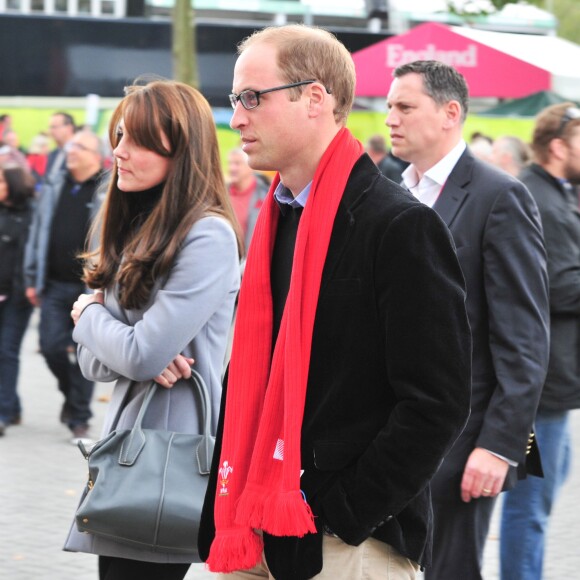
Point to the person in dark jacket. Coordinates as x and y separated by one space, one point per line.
552 181
389 165
498 235
67 207
16 191
350 372
61 128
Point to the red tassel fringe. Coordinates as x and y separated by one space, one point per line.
250 508
241 550
287 514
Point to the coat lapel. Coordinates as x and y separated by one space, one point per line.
454 193
361 178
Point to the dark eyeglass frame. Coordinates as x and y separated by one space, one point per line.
570 114
242 96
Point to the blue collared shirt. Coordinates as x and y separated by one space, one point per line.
284 196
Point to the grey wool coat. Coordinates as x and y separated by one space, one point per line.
189 313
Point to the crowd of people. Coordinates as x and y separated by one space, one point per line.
407 320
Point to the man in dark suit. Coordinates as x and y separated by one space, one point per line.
334 484
498 235
61 129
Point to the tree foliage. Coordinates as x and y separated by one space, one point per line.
567 12
499 4
476 7
184 45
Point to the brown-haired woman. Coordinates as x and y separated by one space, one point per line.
166 275
16 191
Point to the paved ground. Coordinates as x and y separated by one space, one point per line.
42 475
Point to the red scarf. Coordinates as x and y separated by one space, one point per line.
259 474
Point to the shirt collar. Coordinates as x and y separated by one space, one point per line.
440 171
284 197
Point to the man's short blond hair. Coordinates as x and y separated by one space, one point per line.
307 52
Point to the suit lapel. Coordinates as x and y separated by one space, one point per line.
454 193
361 177
449 202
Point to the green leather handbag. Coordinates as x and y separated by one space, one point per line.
146 486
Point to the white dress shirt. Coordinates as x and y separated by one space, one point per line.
428 188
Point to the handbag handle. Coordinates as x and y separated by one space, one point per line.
134 444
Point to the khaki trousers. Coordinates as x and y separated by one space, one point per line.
372 560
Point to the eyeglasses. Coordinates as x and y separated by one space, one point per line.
74 146
250 99
570 114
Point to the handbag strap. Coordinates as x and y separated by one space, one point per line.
136 441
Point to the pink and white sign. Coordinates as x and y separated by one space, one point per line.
489 72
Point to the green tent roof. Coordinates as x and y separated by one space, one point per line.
528 106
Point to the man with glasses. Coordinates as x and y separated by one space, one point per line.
61 128
552 180
498 235
349 375
52 272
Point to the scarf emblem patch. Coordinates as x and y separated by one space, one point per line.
224 472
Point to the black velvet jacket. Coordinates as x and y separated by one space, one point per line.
389 381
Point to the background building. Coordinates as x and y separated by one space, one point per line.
77 55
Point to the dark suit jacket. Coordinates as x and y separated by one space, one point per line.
389 381
497 231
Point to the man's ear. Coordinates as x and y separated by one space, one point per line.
316 98
558 148
452 114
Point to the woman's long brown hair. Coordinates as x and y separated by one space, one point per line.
194 187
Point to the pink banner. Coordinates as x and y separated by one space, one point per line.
489 72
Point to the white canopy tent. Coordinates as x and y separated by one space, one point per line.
555 55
